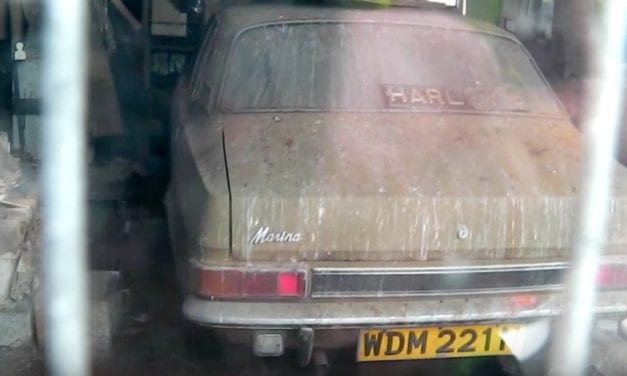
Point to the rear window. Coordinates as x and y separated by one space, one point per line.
374 66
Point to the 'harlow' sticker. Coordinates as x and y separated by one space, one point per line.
478 98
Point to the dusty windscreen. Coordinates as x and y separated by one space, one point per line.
368 66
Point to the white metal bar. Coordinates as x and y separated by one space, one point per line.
63 177
571 348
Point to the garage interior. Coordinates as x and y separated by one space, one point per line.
143 47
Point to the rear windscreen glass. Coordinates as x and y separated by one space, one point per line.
369 66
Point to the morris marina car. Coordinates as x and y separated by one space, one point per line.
402 181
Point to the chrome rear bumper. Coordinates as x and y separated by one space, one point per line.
354 313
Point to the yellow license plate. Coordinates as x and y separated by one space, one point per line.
437 342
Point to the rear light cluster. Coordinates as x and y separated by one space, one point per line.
249 283
612 276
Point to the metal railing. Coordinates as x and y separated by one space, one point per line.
64 186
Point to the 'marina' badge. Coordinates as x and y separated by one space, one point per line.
264 235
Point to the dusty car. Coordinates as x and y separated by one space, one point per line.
402 181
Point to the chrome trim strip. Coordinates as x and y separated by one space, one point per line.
401 294
403 282
439 269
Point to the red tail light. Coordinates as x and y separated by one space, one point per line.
612 276
246 283
289 284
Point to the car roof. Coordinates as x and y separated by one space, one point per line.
237 17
